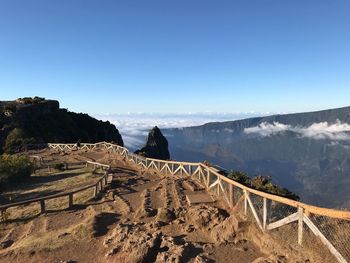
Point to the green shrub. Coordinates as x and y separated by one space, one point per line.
207 163
261 183
16 141
14 169
240 177
59 166
30 100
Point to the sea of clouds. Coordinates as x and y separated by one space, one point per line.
337 131
134 127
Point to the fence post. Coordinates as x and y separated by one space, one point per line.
42 206
208 178
70 200
218 189
95 190
231 195
245 202
300 225
264 213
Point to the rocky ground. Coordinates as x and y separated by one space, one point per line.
140 218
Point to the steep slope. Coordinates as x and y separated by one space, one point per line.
309 153
36 120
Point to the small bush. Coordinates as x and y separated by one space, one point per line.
240 177
59 166
16 141
207 163
14 169
30 100
262 183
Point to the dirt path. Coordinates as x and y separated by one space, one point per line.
141 218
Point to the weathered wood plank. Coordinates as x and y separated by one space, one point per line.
300 225
284 221
324 240
213 184
255 214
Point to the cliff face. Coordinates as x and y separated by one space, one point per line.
308 153
27 121
156 146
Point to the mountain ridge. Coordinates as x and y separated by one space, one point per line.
299 151
277 116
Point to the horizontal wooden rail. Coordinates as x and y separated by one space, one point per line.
98 185
98 164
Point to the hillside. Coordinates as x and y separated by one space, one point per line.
36 120
140 215
307 153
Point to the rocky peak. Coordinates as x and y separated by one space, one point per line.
156 145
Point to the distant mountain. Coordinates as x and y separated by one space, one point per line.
309 153
36 120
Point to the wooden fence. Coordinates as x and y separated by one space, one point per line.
270 212
97 186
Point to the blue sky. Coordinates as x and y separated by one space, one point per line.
177 56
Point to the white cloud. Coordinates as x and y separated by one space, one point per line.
267 129
134 127
323 130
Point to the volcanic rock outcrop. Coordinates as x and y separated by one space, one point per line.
156 146
37 120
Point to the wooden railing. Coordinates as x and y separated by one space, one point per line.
330 226
98 165
97 186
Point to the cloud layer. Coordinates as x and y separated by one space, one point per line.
134 127
323 130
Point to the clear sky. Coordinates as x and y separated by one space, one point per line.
177 56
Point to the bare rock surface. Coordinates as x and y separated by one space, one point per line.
226 231
136 242
165 215
204 216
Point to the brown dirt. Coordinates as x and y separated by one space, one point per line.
121 225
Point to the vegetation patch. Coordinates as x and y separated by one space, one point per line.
59 166
14 169
261 183
17 141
